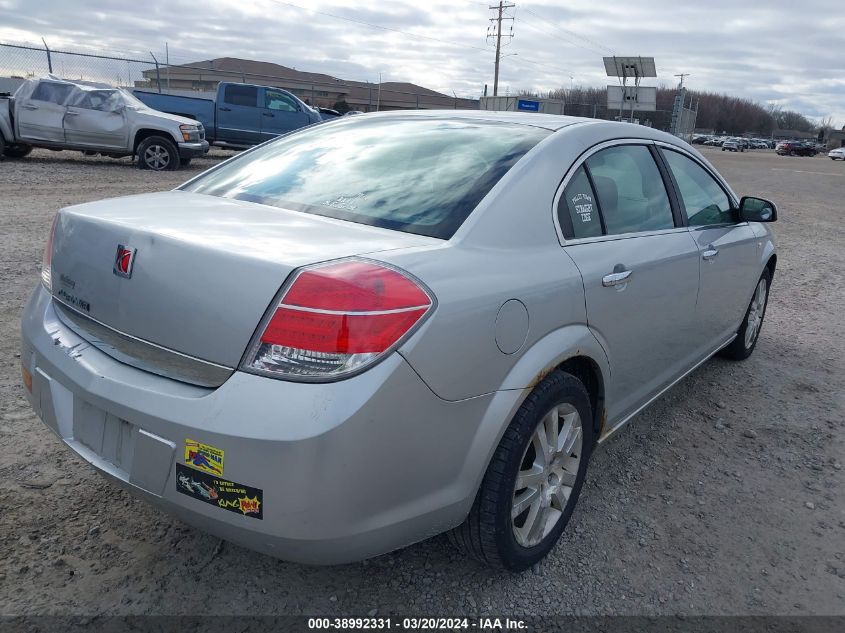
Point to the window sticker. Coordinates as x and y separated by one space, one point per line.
583 205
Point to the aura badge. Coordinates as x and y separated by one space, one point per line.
124 260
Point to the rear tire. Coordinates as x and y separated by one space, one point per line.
158 154
513 526
184 162
749 332
16 150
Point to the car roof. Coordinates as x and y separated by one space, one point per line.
552 122
547 121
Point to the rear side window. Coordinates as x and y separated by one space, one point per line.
52 92
577 210
704 201
413 174
630 190
241 95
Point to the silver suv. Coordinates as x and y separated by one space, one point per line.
96 119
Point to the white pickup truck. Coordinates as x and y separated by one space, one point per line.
95 118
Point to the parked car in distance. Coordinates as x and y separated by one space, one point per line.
95 118
240 115
837 154
733 145
793 148
327 114
281 352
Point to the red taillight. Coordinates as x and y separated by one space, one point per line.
47 258
338 318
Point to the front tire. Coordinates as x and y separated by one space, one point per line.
158 154
534 478
749 332
17 150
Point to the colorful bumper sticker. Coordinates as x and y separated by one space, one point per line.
228 495
207 458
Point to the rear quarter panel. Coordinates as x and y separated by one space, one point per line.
456 351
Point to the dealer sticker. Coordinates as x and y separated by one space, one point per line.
204 457
228 495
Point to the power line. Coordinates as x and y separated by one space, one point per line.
535 27
596 46
379 26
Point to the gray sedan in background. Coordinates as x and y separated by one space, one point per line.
393 325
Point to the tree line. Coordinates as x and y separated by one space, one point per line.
719 112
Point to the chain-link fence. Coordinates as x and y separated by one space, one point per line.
21 62
18 62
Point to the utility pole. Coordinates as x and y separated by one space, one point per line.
682 75
497 33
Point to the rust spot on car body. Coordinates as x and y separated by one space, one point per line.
602 422
540 378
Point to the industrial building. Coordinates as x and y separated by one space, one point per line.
314 88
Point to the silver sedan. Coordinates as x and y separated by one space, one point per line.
390 326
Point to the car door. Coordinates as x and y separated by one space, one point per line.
40 117
639 267
280 113
729 261
238 115
96 118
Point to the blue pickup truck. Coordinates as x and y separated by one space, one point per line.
241 115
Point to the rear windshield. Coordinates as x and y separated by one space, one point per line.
418 175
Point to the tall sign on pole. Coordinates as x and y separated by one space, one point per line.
496 26
630 68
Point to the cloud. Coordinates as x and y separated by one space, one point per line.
778 51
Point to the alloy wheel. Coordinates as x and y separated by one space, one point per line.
157 157
547 475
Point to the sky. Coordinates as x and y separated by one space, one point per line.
786 52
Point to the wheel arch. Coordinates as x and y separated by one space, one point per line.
771 264
573 349
145 133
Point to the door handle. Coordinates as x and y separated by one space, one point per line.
710 253
225 109
616 278
30 107
69 113
270 114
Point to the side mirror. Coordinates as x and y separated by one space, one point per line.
753 209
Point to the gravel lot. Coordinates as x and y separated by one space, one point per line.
724 497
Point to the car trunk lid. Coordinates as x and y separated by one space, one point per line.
203 269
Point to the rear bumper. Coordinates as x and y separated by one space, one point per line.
191 150
346 470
